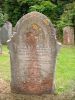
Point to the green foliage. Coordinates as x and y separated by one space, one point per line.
29 2
3 17
45 7
64 2
60 12
13 10
67 18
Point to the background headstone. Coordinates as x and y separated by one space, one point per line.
68 35
5 32
33 50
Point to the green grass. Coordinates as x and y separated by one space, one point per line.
65 68
5 63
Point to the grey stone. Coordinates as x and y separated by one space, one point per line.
68 35
33 51
6 32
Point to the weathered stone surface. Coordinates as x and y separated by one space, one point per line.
68 35
5 32
33 50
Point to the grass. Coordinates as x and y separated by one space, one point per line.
5 63
65 68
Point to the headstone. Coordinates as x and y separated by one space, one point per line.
6 32
33 50
68 35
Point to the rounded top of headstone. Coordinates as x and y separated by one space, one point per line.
34 16
68 29
36 23
6 25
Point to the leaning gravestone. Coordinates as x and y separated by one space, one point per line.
33 50
5 32
68 35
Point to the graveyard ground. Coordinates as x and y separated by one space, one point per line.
65 77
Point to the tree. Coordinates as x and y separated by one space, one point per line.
3 17
17 8
60 12
67 18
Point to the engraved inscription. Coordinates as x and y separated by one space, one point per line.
33 55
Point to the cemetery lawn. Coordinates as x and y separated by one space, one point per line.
65 68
